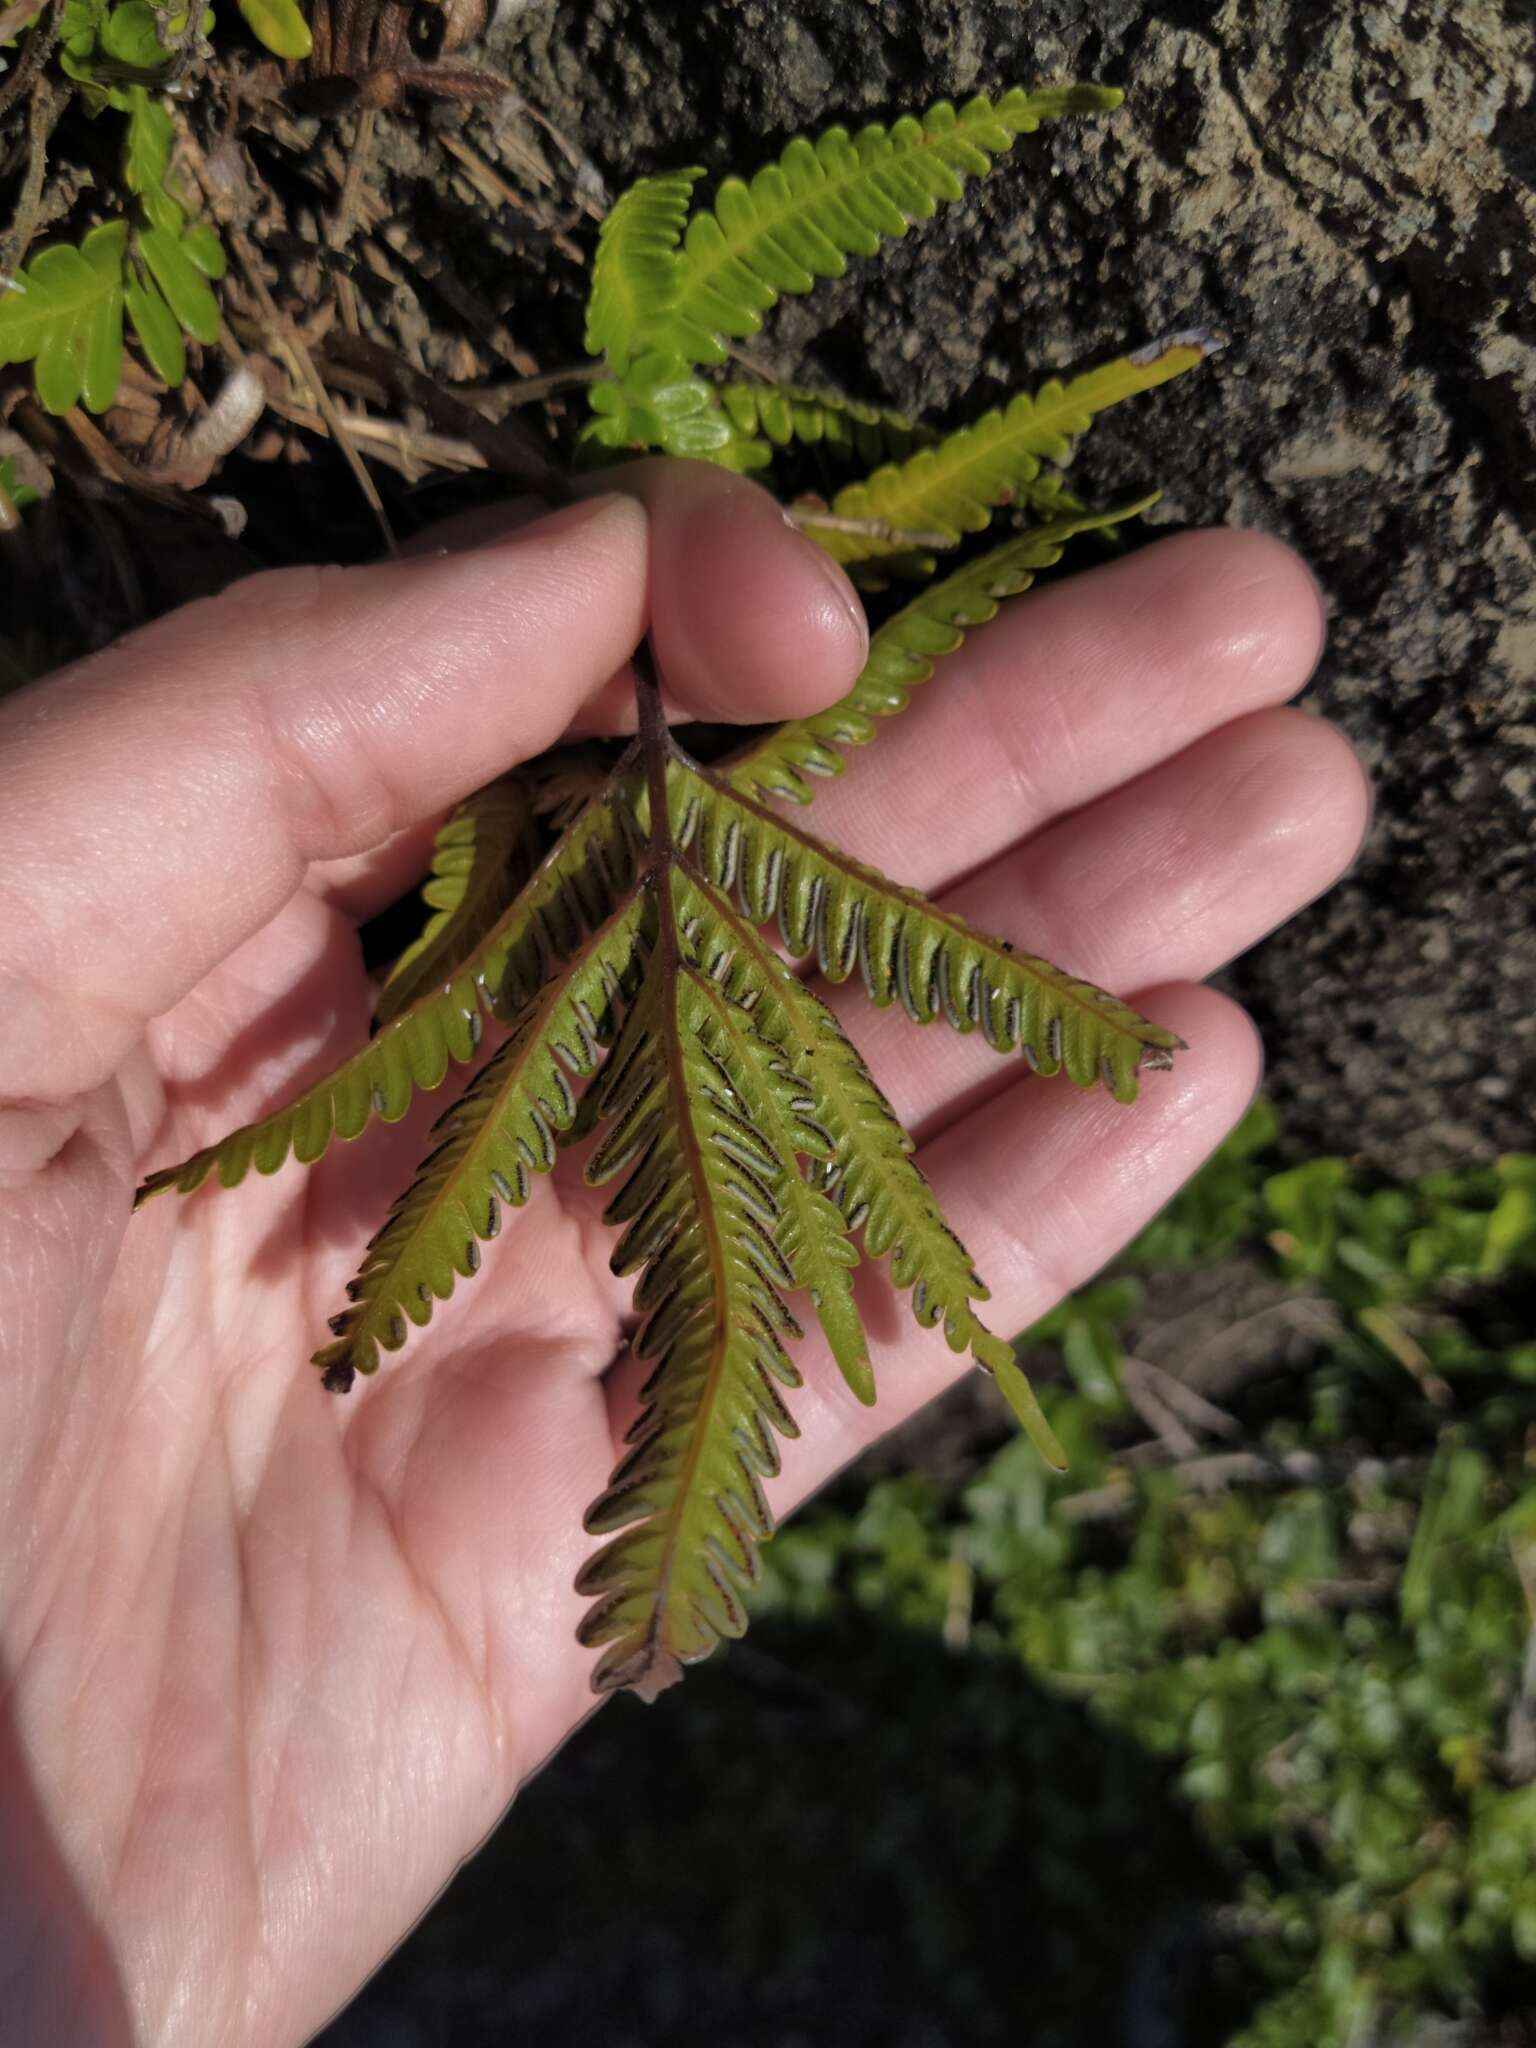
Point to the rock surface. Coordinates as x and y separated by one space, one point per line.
1347 191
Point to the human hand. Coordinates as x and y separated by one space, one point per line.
275 1662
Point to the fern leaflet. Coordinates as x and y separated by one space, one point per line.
638 271
848 430
812 1233
902 654
572 889
955 488
701 1204
499 1132
908 949
64 314
823 201
869 1169
480 857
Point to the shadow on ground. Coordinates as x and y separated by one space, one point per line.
828 1838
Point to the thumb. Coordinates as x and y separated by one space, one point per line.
165 797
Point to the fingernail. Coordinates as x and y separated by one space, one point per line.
837 582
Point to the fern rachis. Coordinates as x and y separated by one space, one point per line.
644 946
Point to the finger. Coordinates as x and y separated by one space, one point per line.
1168 878
1073 690
360 885
1042 1186
164 798
750 622
745 629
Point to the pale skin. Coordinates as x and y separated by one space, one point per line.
272 1662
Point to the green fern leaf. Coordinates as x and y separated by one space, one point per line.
571 890
480 858
801 218
147 158
280 25
849 431
902 654
955 487
653 399
811 1232
64 314
183 283
638 271
908 949
155 326
701 1202
501 1130
868 1168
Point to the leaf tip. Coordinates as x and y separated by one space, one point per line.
646 1673
1205 341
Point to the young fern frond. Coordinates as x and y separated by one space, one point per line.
801 218
903 653
662 404
907 949
638 273
955 487
481 856
572 889
503 1129
659 309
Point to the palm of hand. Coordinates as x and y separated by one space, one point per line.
278 1661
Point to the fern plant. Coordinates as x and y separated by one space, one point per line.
64 312
607 918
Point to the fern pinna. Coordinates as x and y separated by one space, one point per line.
608 916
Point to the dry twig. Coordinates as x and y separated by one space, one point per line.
287 342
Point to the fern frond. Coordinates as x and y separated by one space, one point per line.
908 949
811 1231
848 430
904 653
501 1130
701 1203
637 273
867 1167
480 858
653 399
572 889
824 201
64 314
955 487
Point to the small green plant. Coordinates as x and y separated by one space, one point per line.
755 1155
1322 1620
63 312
